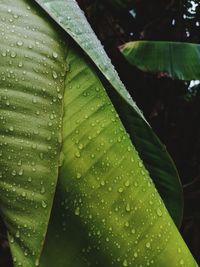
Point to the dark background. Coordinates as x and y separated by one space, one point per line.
172 107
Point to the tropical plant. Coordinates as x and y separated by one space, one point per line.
69 130
176 60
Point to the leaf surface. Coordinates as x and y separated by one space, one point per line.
31 89
177 60
106 211
156 159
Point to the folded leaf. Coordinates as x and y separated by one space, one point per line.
156 159
31 88
107 211
176 60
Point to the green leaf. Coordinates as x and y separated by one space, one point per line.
176 60
70 17
32 61
156 159
106 211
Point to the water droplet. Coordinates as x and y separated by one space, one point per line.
140 164
127 183
13 54
55 75
77 154
44 204
148 245
17 234
20 64
77 211
42 191
159 212
133 231
21 171
14 172
78 175
135 254
125 263
20 43
55 55
120 190
128 208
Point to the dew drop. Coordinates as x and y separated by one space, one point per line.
42 191
128 208
159 212
37 262
13 54
120 190
148 245
127 183
21 171
77 211
55 75
55 55
44 204
125 263
17 234
78 175
77 154
19 43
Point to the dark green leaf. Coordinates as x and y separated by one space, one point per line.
176 60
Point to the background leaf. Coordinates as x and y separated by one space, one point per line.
32 71
176 60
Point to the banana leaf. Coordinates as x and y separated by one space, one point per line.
39 63
106 210
32 68
176 60
156 159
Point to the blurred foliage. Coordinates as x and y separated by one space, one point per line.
172 107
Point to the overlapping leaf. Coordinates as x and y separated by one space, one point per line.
156 159
103 184
106 211
31 89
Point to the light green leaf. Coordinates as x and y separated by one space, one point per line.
106 211
31 88
69 16
176 60
156 159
